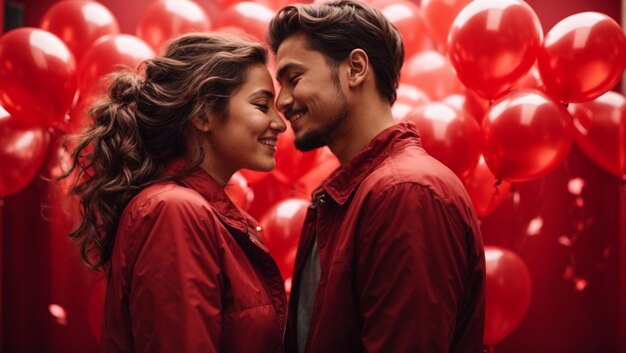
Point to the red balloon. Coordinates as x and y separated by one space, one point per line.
469 102
279 4
267 192
65 216
106 55
508 293
163 20
483 189
252 17
272 4
23 149
228 3
79 23
239 192
291 164
600 131
212 8
282 225
37 76
289 263
525 135
438 16
324 166
582 57
449 135
408 98
532 79
431 72
236 31
405 15
493 43
78 116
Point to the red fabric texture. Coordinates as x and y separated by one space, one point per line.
401 255
190 273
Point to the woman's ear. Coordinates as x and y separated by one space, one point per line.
358 67
202 123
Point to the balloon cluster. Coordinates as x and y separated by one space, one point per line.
494 99
502 74
505 105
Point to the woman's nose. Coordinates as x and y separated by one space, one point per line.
277 123
283 100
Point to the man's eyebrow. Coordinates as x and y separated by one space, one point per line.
283 70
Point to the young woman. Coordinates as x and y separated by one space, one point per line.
187 270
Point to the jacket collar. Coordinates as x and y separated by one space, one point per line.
205 185
344 181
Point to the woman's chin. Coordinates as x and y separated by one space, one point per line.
262 167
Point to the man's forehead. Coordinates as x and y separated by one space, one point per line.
293 44
295 59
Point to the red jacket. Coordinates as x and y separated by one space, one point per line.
402 264
189 274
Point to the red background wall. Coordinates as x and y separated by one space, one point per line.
38 265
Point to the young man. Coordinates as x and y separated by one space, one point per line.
391 258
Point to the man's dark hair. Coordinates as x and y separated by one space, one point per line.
336 28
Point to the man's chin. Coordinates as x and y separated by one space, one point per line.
309 141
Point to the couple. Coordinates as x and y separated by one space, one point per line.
390 258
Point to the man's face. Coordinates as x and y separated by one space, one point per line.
311 94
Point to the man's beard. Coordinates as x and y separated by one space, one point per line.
313 139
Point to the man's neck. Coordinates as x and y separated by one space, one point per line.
362 126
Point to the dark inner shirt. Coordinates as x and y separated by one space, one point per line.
306 299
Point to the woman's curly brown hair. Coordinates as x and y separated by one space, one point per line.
143 123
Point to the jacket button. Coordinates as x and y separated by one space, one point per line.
258 228
322 200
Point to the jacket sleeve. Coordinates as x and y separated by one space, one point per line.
410 271
176 283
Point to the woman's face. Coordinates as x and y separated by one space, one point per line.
247 137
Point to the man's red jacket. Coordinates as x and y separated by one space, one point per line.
402 264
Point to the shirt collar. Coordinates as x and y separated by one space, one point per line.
344 181
202 182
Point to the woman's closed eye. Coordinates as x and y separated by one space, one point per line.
264 107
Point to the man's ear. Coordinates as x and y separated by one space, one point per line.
202 123
358 67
